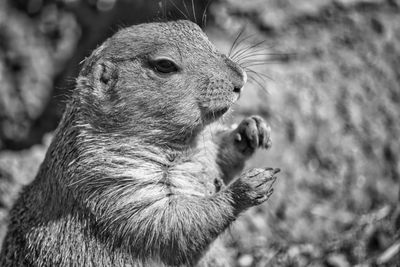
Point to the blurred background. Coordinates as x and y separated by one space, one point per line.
326 77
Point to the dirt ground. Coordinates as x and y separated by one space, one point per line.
326 77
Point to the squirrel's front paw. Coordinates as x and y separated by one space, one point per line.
253 132
254 187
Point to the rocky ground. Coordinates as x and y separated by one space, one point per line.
327 81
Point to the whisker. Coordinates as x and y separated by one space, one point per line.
262 76
172 2
248 49
249 53
247 38
162 7
239 43
253 79
194 12
255 52
260 51
258 73
251 61
234 44
257 64
271 56
185 6
204 17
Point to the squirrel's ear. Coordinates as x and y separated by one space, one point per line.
105 75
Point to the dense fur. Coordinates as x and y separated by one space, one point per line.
136 173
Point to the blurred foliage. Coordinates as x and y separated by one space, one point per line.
332 97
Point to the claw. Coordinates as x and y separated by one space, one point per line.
238 137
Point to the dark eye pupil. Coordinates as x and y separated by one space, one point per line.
165 66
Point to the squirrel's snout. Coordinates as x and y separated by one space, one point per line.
237 87
238 75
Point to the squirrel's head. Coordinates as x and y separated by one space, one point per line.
164 78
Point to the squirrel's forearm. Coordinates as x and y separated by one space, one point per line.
193 225
230 160
177 228
217 142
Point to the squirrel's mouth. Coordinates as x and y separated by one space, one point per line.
211 115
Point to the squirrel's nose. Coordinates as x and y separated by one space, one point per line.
237 74
237 87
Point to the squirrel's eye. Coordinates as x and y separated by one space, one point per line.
165 66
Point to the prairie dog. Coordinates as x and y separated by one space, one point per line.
137 173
